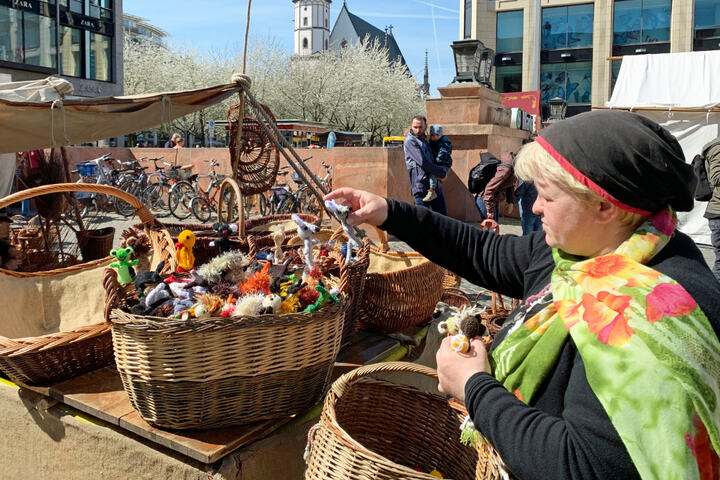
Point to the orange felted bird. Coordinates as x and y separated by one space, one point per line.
259 282
184 254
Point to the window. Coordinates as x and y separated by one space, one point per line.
641 21
71 51
615 72
508 61
468 19
305 43
567 27
707 25
326 44
100 50
304 21
571 81
27 38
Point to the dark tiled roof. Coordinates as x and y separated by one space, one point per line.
363 29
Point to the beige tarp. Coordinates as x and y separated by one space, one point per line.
27 125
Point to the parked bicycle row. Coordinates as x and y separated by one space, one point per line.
178 191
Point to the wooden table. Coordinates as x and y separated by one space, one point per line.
100 394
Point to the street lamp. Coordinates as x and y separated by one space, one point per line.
558 106
473 62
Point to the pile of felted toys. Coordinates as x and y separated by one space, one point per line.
230 285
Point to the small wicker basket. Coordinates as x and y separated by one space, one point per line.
401 289
376 429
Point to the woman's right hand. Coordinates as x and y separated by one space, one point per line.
365 207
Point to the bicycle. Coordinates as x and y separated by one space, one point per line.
101 171
205 202
135 185
183 192
156 195
305 200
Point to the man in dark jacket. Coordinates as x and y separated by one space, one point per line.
499 188
420 165
711 151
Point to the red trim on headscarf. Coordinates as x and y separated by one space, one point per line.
580 177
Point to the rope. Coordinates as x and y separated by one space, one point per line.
165 99
59 104
247 29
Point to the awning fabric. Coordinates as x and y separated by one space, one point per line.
34 115
687 80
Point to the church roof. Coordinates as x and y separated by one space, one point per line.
350 25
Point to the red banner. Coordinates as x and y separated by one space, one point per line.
526 101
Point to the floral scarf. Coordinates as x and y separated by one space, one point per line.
650 354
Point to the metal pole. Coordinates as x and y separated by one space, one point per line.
537 46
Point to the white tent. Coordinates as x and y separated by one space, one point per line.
681 92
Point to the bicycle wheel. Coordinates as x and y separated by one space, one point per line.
201 209
289 204
121 206
155 199
179 199
309 203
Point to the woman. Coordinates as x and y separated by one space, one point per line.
610 367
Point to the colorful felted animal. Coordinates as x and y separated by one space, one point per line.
305 231
259 282
325 296
463 324
143 279
341 213
184 254
224 231
123 264
278 238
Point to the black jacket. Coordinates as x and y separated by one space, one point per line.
564 432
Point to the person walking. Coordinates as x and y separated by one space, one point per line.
173 140
500 187
711 152
420 164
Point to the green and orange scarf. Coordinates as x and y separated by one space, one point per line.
650 354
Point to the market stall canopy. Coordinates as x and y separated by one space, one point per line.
681 92
678 80
38 114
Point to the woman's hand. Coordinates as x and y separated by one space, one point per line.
366 207
455 369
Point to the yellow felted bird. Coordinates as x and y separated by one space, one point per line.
184 254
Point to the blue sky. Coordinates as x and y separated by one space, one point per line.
418 25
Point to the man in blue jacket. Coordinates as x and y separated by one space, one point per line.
420 165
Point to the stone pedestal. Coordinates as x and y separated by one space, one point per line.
475 120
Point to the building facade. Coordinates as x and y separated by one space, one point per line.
572 49
312 26
80 40
138 29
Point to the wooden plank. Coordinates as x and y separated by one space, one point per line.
367 348
99 393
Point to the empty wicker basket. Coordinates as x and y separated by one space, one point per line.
401 290
54 322
375 429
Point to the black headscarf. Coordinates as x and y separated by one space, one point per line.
626 158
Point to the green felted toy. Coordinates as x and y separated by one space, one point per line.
123 264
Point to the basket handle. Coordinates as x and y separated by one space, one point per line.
383 237
146 217
337 234
232 183
343 383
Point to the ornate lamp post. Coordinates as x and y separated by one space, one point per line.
558 106
473 62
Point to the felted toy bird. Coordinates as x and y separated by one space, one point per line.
123 264
184 254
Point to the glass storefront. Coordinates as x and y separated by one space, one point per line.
707 25
567 27
30 36
571 81
508 60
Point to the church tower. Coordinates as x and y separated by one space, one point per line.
312 26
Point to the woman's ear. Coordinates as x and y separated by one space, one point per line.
606 212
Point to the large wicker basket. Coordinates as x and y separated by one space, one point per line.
213 372
401 289
63 352
375 429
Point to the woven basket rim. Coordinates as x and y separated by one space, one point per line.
147 323
25 345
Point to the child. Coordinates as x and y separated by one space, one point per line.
441 149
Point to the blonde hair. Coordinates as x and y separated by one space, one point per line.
533 161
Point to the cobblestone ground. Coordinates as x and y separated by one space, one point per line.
507 226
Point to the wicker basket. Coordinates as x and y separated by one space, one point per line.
451 280
59 355
375 429
263 227
455 298
401 289
214 372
